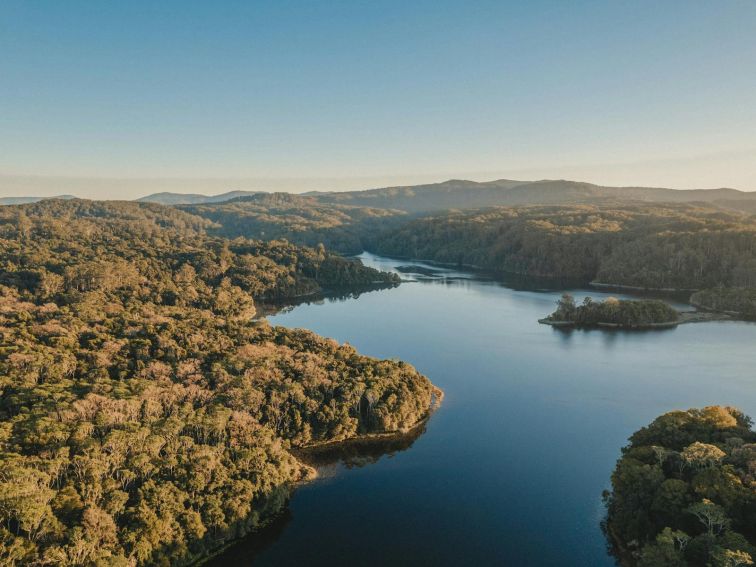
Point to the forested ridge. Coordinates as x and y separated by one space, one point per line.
615 243
464 194
684 492
300 219
57 247
145 419
663 246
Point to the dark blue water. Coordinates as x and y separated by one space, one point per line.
510 470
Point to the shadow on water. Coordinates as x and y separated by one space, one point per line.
327 459
429 272
359 452
246 550
269 307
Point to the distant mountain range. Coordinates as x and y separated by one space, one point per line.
461 194
25 200
195 198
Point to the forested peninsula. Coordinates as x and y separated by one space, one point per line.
145 418
684 492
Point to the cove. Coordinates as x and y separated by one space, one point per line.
510 469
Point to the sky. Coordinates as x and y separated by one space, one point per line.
121 99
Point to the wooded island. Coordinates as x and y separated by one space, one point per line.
612 312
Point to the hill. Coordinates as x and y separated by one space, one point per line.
168 198
28 200
463 194
300 219
460 194
643 245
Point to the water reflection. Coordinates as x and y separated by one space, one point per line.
329 460
511 468
266 308
356 453
248 549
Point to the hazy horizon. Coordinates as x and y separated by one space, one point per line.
135 188
109 100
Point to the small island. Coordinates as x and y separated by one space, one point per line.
683 492
613 312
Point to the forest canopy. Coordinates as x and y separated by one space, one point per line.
662 246
737 301
300 219
613 312
684 492
145 418
674 246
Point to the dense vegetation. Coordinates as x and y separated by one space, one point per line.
739 301
145 419
613 312
684 491
662 240
302 220
647 246
56 247
615 243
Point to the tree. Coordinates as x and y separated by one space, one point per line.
712 516
702 455
565 308
677 538
731 558
713 444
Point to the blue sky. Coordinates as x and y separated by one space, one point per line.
301 95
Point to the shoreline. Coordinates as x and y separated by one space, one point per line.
570 281
489 271
602 285
620 552
685 317
266 306
310 472
368 438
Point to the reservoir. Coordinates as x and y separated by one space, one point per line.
510 470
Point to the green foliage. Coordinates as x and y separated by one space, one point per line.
145 418
300 219
684 491
613 312
160 255
663 246
739 301
642 245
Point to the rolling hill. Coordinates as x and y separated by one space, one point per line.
462 194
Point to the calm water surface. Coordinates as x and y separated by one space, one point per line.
511 469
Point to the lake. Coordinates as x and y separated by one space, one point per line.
510 470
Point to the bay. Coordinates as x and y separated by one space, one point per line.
510 470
